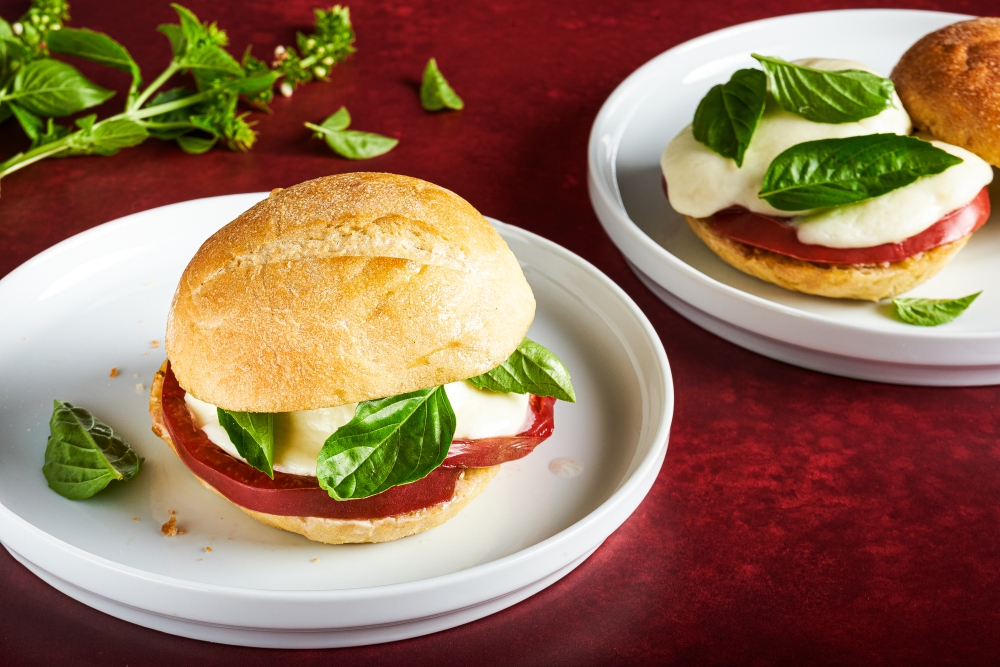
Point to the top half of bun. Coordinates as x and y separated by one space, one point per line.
949 82
343 289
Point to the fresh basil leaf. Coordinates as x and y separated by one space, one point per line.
53 88
211 58
110 136
5 29
435 92
196 145
253 435
390 441
359 145
94 46
176 36
834 172
253 85
5 111
336 122
727 116
822 96
531 369
931 312
30 123
13 54
176 116
84 454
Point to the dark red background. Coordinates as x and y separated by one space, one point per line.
799 518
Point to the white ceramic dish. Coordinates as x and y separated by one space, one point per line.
845 338
100 299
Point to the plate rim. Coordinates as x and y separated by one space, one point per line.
642 474
606 195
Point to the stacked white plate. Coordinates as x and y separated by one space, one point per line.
848 338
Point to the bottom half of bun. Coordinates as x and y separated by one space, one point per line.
868 282
470 484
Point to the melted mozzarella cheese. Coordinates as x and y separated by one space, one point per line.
700 182
299 436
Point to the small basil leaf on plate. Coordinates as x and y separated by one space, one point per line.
822 96
84 454
727 116
53 88
252 433
930 312
834 172
390 441
435 91
531 369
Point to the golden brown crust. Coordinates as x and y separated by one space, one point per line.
344 531
869 282
949 82
343 289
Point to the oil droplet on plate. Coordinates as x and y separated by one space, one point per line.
565 466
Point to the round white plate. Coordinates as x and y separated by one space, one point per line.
99 300
855 339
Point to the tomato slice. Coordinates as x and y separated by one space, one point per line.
299 495
776 235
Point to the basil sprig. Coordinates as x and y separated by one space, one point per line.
531 369
834 172
931 312
727 116
390 441
435 92
351 144
822 96
84 454
252 433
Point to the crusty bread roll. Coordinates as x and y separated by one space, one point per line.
347 531
344 289
949 82
869 282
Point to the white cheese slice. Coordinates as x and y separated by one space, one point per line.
701 182
299 436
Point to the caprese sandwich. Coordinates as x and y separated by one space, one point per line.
804 174
347 359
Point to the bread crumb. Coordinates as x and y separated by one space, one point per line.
171 512
181 531
140 388
170 527
135 375
135 518
208 548
154 343
114 372
315 560
145 354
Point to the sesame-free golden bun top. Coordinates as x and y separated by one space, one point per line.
949 82
342 289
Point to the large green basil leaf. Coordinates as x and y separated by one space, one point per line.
435 91
727 116
531 369
84 454
253 435
94 46
834 172
107 138
211 58
53 88
822 96
931 312
390 441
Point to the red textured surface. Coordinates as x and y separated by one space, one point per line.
771 233
799 519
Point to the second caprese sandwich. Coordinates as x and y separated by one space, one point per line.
803 174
